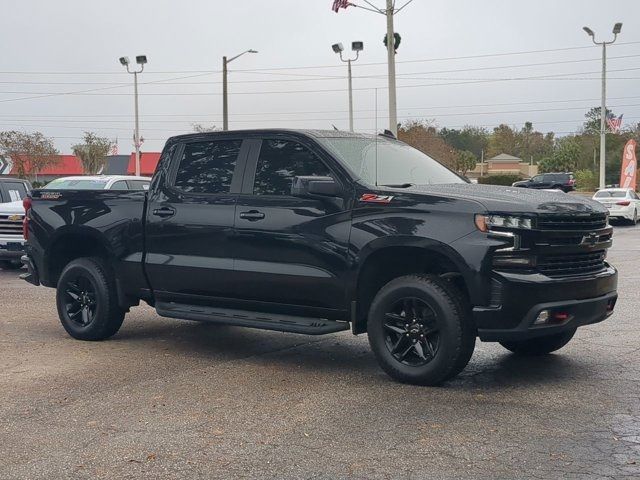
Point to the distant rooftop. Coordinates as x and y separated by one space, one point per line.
503 157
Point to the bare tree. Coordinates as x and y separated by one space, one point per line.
29 153
93 152
200 128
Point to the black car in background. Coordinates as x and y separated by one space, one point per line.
558 181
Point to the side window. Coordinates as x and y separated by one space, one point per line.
119 185
138 185
279 162
537 178
207 167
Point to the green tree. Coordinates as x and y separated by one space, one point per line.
423 136
465 161
473 139
92 152
201 128
502 140
30 153
564 158
592 122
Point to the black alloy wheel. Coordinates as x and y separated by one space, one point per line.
80 300
412 332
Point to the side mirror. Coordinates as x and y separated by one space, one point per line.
307 186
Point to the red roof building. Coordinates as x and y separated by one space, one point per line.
148 163
67 166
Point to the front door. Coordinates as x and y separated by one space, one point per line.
190 217
290 250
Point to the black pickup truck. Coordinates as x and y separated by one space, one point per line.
316 232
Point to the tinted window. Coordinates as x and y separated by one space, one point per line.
279 162
537 178
119 185
207 167
139 184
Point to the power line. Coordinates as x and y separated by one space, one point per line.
309 67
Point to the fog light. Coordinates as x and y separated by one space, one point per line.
542 318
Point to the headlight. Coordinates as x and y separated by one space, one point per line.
486 222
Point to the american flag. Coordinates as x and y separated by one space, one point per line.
614 122
338 4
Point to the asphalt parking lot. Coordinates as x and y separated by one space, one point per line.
173 399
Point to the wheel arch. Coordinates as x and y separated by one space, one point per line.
390 257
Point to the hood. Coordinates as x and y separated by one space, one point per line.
497 198
11 208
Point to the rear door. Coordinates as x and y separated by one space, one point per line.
190 215
290 250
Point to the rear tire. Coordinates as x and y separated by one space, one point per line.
10 264
540 345
420 331
87 301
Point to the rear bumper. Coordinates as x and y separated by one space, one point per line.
519 300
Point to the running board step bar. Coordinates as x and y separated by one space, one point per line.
244 318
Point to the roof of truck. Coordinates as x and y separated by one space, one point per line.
262 131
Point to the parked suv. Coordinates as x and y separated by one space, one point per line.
553 181
100 182
317 232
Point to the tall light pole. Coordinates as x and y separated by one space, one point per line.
603 106
225 102
391 61
356 47
140 60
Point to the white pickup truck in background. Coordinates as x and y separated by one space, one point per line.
12 191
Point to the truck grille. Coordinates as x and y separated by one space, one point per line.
593 221
9 225
575 264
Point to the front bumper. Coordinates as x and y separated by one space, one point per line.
11 248
518 299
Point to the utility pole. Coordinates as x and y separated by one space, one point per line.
391 61
225 93
389 12
617 28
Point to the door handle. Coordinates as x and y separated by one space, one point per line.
164 212
252 215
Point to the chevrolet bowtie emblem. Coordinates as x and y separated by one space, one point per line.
591 239
15 218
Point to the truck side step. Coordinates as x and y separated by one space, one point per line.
244 318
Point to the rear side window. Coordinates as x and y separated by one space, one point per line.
279 162
207 167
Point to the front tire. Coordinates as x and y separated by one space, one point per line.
86 300
420 330
540 345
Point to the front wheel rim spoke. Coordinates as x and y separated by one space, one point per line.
85 315
394 329
420 351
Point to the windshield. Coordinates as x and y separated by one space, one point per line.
611 194
76 184
397 163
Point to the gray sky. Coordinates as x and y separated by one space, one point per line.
188 38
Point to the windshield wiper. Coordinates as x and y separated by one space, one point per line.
400 185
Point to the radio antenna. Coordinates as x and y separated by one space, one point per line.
376 137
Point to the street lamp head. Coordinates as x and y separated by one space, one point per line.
617 28
357 46
337 48
252 51
124 61
141 59
589 31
